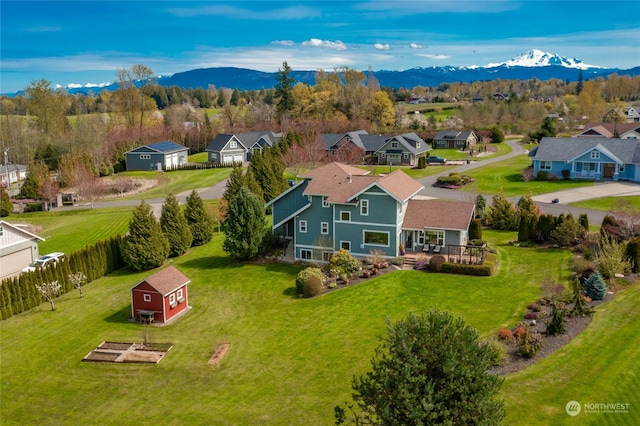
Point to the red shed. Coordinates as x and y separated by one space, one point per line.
160 297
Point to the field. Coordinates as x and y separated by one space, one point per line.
288 359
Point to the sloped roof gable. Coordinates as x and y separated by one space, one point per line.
166 281
438 214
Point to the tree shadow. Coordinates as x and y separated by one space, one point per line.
211 262
290 292
122 315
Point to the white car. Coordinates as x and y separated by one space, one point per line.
42 261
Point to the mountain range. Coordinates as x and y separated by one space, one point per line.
529 65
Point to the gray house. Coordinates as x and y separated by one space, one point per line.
228 149
455 139
257 141
157 156
588 158
12 173
402 150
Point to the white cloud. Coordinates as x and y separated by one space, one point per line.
381 46
283 42
288 13
438 57
316 42
416 46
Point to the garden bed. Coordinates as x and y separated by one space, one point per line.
126 352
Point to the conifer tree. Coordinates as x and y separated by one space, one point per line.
244 228
502 213
6 207
146 247
175 227
199 221
234 183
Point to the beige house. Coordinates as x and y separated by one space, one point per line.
18 248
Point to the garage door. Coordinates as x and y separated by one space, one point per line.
237 158
13 263
227 159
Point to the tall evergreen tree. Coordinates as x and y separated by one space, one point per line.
284 91
146 247
234 183
269 172
199 221
244 228
6 207
502 213
175 227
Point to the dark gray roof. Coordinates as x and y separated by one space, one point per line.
163 147
372 143
454 135
330 139
221 141
410 141
567 149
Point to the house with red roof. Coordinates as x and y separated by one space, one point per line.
161 297
337 206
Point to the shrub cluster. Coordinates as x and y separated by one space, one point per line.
309 281
343 261
595 287
436 262
529 344
484 270
498 351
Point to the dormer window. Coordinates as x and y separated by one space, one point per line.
394 145
595 155
233 144
417 144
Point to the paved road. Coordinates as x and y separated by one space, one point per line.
599 189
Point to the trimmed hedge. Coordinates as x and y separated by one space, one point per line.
463 269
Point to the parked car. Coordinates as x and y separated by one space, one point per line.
42 261
435 159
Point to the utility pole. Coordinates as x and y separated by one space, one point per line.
6 167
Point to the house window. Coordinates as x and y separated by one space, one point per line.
325 203
620 169
406 156
147 298
303 226
172 300
417 144
214 155
383 155
595 155
180 296
326 255
545 165
420 237
145 156
364 207
324 228
346 245
305 254
376 238
434 237
1 231
233 144
345 216
394 145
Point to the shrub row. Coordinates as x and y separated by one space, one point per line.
19 294
198 166
484 270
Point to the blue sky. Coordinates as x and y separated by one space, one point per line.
87 41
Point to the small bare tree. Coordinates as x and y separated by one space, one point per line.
78 280
50 291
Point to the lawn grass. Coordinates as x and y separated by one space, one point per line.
599 366
178 181
607 203
290 359
200 157
506 175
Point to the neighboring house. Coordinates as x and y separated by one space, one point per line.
18 248
157 156
227 149
402 150
628 114
588 158
257 141
12 173
611 130
160 297
340 146
455 139
337 206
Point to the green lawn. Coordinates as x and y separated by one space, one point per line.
178 181
290 359
506 175
599 366
607 203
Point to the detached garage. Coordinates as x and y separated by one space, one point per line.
157 156
228 150
18 248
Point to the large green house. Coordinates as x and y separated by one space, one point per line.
337 206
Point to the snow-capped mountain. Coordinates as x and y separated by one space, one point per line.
538 58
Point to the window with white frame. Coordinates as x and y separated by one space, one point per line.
214 155
394 145
434 237
326 255
146 298
595 155
364 207
383 155
420 237
324 228
376 238
545 165
172 300
406 156
325 203
180 295
305 254
1 231
345 216
417 144
145 156
303 226
346 245
233 144
620 169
